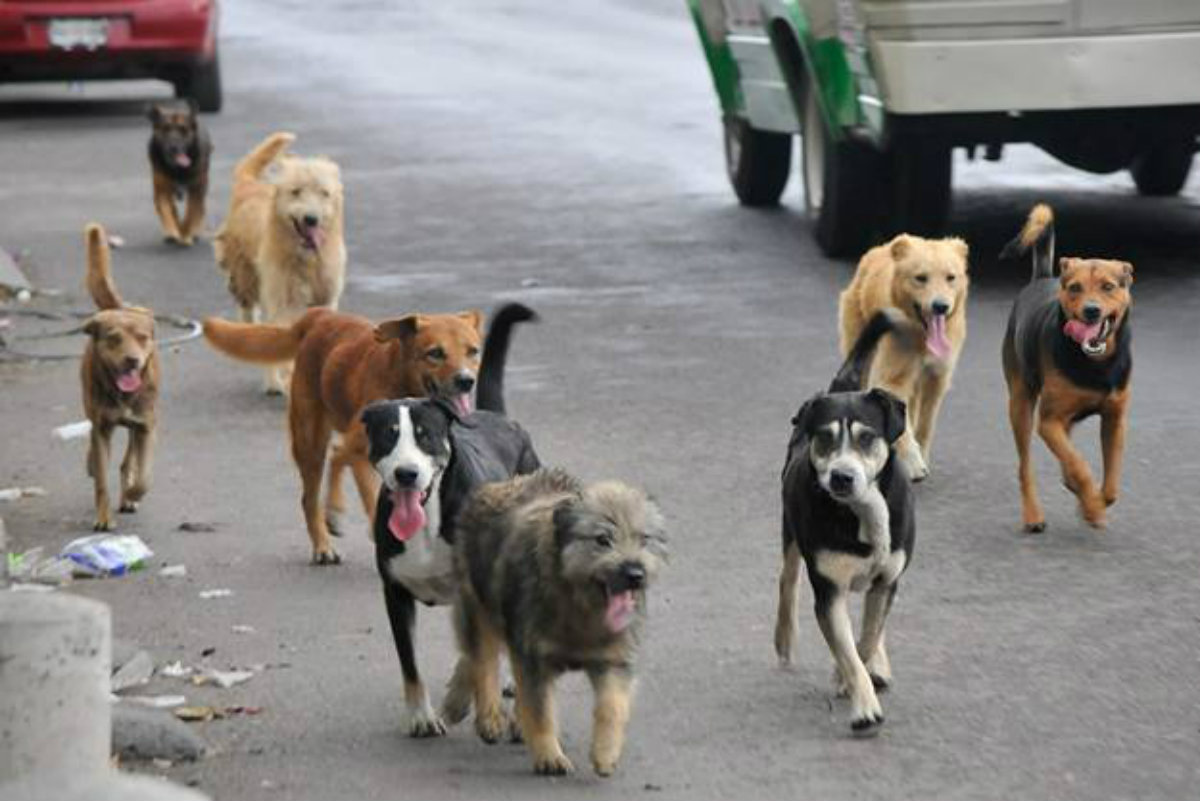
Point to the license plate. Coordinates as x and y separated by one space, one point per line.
88 34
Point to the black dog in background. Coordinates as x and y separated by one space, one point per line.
431 458
848 513
180 150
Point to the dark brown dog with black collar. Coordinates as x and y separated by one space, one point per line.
180 150
1067 356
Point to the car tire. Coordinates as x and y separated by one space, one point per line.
841 185
203 84
758 162
1163 170
919 191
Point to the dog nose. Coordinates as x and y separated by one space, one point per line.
1092 312
634 575
940 307
405 476
841 481
131 363
464 382
312 220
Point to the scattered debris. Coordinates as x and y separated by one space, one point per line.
162 764
223 678
207 652
136 672
116 241
107 554
243 710
173 571
242 629
216 593
197 528
73 430
155 701
175 670
198 714
13 282
32 566
142 733
17 493
529 283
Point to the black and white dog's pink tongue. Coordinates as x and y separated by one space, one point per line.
620 611
408 516
183 160
935 337
1081 332
462 404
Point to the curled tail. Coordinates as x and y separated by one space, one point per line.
254 342
252 165
1038 234
489 395
889 320
99 278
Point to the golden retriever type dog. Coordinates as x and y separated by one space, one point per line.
120 376
342 364
926 279
282 245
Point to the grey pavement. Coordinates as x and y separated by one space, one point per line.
568 155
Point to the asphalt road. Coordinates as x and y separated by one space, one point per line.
568 155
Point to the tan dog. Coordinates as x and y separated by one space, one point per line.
282 244
1067 356
926 279
120 375
342 364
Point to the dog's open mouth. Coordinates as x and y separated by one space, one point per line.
1090 338
408 513
182 159
311 236
129 381
936 341
620 607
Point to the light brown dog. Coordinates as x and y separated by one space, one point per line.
1067 356
926 279
120 375
342 364
282 245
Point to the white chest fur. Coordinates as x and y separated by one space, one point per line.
851 572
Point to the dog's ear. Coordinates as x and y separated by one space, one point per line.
474 317
402 328
801 419
1126 274
154 113
894 413
960 247
375 412
570 516
1066 265
92 327
900 247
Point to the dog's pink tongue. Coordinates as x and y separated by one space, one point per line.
935 337
129 381
620 611
317 237
463 404
183 160
1081 332
408 516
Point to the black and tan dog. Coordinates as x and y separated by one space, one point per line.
557 572
180 150
120 375
1067 357
431 455
848 514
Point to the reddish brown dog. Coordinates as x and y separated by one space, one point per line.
1067 356
342 364
120 375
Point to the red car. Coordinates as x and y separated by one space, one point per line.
172 40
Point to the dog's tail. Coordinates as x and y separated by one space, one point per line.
1038 234
252 165
489 395
255 342
886 321
99 268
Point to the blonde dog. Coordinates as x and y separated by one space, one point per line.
926 279
282 245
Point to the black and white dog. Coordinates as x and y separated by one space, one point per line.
431 459
848 513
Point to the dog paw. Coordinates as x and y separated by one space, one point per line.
426 724
1110 497
604 767
491 726
1093 512
273 392
867 725
917 469
102 524
127 507
553 764
329 557
456 707
1035 527
882 683
333 522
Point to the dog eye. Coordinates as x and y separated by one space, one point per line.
419 431
921 279
866 439
325 193
435 354
1109 286
951 278
604 540
1075 289
113 339
297 192
472 352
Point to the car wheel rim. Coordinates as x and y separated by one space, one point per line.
812 143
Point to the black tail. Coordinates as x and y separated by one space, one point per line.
850 377
489 394
1038 234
